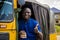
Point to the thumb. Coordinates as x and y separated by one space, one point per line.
36 26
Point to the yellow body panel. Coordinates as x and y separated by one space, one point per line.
15 4
10 28
10 25
53 36
12 34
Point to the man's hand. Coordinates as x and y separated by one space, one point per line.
36 29
23 34
38 33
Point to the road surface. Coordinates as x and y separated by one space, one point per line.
58 37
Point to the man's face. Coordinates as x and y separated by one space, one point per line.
26 13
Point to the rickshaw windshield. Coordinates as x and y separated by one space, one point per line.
6 11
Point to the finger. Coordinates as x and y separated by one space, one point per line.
37 24
22 31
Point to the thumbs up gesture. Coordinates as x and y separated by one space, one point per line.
36 28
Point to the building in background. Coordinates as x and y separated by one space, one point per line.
57 15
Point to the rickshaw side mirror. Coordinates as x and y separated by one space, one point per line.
21 2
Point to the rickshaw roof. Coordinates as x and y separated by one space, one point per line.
34 1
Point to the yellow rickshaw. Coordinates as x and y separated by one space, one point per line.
9 19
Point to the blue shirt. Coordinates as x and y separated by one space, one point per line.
28 27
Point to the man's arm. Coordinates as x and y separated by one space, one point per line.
38 33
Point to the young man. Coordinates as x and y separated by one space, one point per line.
29 28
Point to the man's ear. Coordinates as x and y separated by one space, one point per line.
31 13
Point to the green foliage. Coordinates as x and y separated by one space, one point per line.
57 28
